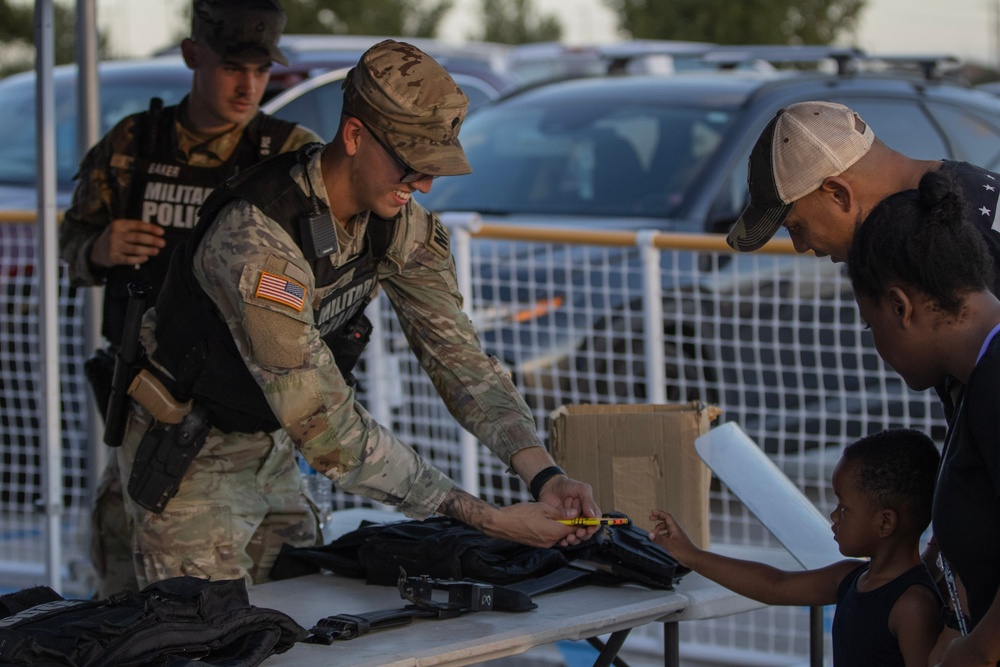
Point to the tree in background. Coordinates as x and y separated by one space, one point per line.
515 22
742 22
17 35
402 18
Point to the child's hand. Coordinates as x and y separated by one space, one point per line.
671 536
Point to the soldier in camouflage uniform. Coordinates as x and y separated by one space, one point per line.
141 185
273 280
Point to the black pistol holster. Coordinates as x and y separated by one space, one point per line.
164 455
178 428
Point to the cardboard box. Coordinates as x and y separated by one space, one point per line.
637 457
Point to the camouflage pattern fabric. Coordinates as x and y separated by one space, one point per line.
297 372
241 499
97 197
95 202
412 104
111 535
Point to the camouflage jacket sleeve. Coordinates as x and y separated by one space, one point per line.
296 370
92 206
299 137
424 293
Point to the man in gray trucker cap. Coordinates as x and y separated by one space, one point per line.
818 169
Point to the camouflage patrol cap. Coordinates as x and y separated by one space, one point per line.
412 104
240 27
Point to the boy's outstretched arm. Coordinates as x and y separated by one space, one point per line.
748 578
915 622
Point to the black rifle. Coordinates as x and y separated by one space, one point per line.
125 365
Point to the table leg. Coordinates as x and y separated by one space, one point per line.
815 636
609 650
671 644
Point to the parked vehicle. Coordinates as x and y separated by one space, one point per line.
310 56
317 101
125 87
550 61
669 153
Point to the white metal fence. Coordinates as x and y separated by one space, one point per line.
772 338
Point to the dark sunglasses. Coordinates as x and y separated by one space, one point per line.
410 175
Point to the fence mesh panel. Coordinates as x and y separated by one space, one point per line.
774 340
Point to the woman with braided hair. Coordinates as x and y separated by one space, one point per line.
920 275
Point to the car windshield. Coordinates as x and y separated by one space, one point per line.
605 159
17 120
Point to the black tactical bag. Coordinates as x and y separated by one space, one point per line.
177 622
442 548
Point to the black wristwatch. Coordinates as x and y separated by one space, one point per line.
539 480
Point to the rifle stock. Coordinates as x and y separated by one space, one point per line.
125 364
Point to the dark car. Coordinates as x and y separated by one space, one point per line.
669 153
125 87
311 56
317 101
548 61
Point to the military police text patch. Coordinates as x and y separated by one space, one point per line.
281 289
437 238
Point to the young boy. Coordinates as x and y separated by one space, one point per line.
888 608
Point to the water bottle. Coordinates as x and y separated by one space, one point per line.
319 488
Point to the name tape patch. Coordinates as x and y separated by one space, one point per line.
282 290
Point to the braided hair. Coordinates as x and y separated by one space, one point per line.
896 469
920 238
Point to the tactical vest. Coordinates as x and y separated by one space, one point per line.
177 621
193 341
444 548
162 190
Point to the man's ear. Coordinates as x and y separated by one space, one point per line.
351 131
840 191
190 52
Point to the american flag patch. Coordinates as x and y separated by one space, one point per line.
282 290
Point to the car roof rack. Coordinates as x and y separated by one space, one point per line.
931 65
618 55
848 59
728 57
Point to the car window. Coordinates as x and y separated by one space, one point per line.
17 122
902 125
318 109
477 91
607 159
732 199
975 137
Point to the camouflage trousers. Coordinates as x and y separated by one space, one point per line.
241 498
111 535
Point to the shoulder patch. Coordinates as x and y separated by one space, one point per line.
281 289
437 237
